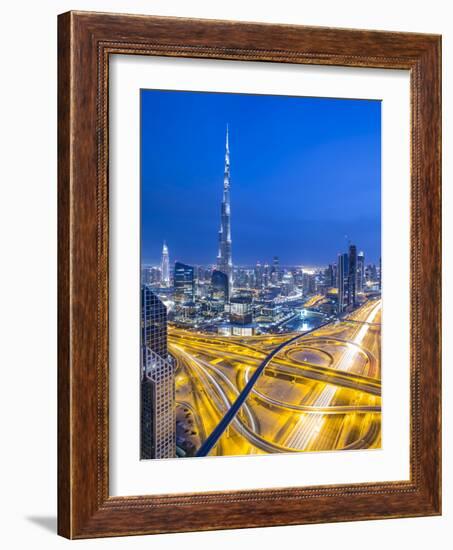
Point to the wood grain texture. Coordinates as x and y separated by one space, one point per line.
86 40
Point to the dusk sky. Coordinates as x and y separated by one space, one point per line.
305 176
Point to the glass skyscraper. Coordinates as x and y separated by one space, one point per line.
184 283
342 273
360 271
158 422
241 310
220 286
352 276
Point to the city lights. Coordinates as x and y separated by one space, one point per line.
207 328
260 275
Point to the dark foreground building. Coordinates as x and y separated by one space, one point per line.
220 286
157 386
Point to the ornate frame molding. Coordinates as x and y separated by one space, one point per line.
86 40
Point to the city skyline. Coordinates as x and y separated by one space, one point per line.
243 350
327 234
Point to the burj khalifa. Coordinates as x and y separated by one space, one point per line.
224 259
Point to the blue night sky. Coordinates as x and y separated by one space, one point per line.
305 172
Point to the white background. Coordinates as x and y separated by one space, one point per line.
28 271
130 476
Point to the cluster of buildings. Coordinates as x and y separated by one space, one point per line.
260 298
353 278
231 300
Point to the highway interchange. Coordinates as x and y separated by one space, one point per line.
320 392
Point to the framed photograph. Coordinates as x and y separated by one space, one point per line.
249 275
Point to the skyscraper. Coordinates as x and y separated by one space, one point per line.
352 276
275 270
154 322
157 387
224 259
380 273
258 275
371 274
219 283
360 272
309 283
266 275
241 310
342 271
329 276
184 283
287 284
165 265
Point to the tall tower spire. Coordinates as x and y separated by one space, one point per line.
165 266
224 259
227 147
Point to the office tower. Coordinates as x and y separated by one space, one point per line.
150 275
298 276
309 283
184 283
157 387
165 266
329 276
219 284
352 276
203 274
224 259
287 283
146 275
258 275
371 274
342 273
275 270
266 275
249 278
154 322
241 310
155 275
360 272
241 278
380 273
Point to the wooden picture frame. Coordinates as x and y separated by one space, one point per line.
85 42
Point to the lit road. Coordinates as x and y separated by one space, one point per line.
321 391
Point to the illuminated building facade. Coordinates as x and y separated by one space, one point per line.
309 283
352 276
342 271
275 270
258 275
184 283
360 271
330 276
380 273
241 310
165 266
224 258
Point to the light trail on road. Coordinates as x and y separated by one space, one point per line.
291 409
312 409
306 430
237 423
